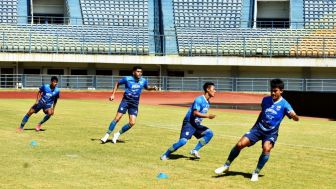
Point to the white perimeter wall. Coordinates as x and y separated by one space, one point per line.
191 66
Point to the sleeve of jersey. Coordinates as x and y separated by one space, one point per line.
146 84
262 102
197 105
58 94
288 109
41 88
122 80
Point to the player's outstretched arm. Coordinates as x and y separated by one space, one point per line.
199 114
38 96
54 106
152 88
294 116
116 86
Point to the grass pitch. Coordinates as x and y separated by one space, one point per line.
68 154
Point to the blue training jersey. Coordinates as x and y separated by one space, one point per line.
49 95
273 113
200 104
133 88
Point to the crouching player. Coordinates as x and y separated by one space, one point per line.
266 128
192 123
46 99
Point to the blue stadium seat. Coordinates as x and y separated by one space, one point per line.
319 13
74 39
8 11
115 13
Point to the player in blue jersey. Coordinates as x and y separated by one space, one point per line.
266 128
133 88
46 99
192 123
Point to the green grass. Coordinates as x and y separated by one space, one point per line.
69 155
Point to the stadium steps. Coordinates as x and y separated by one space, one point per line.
74 39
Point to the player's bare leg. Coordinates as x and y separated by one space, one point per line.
267 147
48 113
111 127
242 143
25 119
131 123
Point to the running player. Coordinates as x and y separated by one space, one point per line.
266 128
46 99
130 102
192 123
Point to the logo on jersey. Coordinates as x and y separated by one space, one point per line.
205 110
187 133
49 94
271 111
278 108
136 86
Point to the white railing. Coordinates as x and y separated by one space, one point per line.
167 83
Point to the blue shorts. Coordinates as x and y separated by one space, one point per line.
132 107
188 130
40 105
256 134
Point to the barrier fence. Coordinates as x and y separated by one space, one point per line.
167 83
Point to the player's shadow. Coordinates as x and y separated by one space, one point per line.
41 130
109 141
176 156
235 173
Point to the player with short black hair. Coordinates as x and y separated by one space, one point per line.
192 123
266 128
130 102
46 99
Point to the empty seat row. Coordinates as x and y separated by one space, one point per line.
74 39
205 13
8 11
131 12
319 12
248 42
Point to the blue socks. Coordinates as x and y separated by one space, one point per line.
262 161
24 121
176 146
111 127
204 140
125 128
46 117
233 154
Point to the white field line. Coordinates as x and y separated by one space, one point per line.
237 137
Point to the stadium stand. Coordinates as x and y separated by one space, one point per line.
74 39
320 13
115 13
201 32
8 11
207 13
194 28
256 42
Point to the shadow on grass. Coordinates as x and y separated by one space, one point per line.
41 130
109 141
235 173
176 156
179 156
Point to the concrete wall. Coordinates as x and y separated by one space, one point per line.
192 66
169 60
